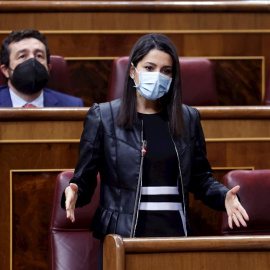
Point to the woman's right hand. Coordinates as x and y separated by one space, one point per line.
71 198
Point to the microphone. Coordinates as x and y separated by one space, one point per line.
144 145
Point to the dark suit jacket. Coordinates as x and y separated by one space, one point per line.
51 99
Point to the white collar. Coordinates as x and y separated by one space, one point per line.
17 101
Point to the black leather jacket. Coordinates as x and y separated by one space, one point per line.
115 153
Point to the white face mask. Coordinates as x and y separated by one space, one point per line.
153 85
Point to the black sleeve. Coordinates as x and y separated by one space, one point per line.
87 168
204 186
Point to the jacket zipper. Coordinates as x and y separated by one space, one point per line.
139 187
138 192
180 172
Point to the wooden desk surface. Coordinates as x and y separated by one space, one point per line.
192 253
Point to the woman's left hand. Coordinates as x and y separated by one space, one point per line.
236 212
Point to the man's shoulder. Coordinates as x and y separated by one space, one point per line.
3 87
5 99
59 94
61 99
4 91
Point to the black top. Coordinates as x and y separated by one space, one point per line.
160 168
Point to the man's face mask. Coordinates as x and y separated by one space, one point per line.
153 85
29 77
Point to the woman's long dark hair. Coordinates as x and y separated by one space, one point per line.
172 101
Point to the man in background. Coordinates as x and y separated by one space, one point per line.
25 62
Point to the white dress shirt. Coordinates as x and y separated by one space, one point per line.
17 101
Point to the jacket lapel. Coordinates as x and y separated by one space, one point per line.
49 99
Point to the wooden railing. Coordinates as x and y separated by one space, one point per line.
245 252
134 6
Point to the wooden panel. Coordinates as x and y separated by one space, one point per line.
25 156
241 60
237 55
32 194
235 129
54 146
189 43
134 21
186 253
32 157
90 79
239 154
238 80
199 260
24 131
